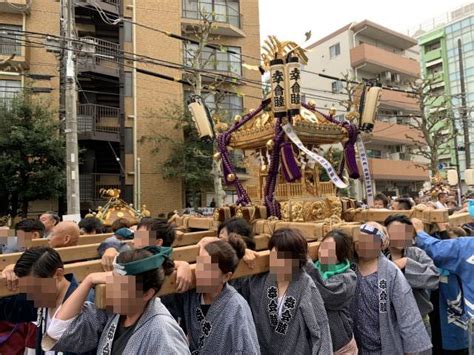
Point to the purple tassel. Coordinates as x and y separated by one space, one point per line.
289 167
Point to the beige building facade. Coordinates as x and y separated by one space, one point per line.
368 51
118 106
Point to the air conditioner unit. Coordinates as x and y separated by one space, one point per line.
88 45
395 156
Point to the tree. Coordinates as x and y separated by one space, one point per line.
433 123
200 58
32 160
190 159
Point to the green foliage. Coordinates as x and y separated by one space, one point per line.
32 152
191 158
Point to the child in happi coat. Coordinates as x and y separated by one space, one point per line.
384 311
287 307
39 273
418 268
337 283
217 318
139 324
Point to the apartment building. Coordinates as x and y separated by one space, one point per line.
441 41
369 51
116 105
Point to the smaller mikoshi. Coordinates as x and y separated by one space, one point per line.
116 208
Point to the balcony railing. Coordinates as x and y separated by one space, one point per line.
104 58
112 6
98 119
216 12
90 185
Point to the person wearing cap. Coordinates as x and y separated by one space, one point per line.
116 241
151 232
384 310
138 323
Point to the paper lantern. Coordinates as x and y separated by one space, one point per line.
469 176
370 108
453 178
277 77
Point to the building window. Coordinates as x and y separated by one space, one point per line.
432 46
336 87
375 154
334 50
216 59
9 89
226 106
227 11
10 42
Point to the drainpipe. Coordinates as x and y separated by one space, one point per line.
136 178
24 49
354 35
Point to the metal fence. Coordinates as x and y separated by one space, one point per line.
98 118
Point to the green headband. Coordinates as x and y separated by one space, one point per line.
150 263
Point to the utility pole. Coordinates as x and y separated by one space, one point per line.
70 105
463 110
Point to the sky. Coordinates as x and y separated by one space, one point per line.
291 19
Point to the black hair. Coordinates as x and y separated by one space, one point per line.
344 246
152 279
39 262
30 225
120 223
53 215
163 229
227 254
241 227
290 241
397 218
381 197
91 225
442 193
404 203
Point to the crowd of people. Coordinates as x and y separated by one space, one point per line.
392 290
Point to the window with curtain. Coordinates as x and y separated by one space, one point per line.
9 89
10 43
227 11
217 59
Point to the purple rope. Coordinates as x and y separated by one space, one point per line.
269 197
349 146
223 141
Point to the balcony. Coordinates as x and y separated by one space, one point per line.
433 55
403 170
104 59
226 18
376 60
13 50
98 122
398 101
111 6
394 134
90 185
14 6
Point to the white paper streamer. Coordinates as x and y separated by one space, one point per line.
290 133
366 171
